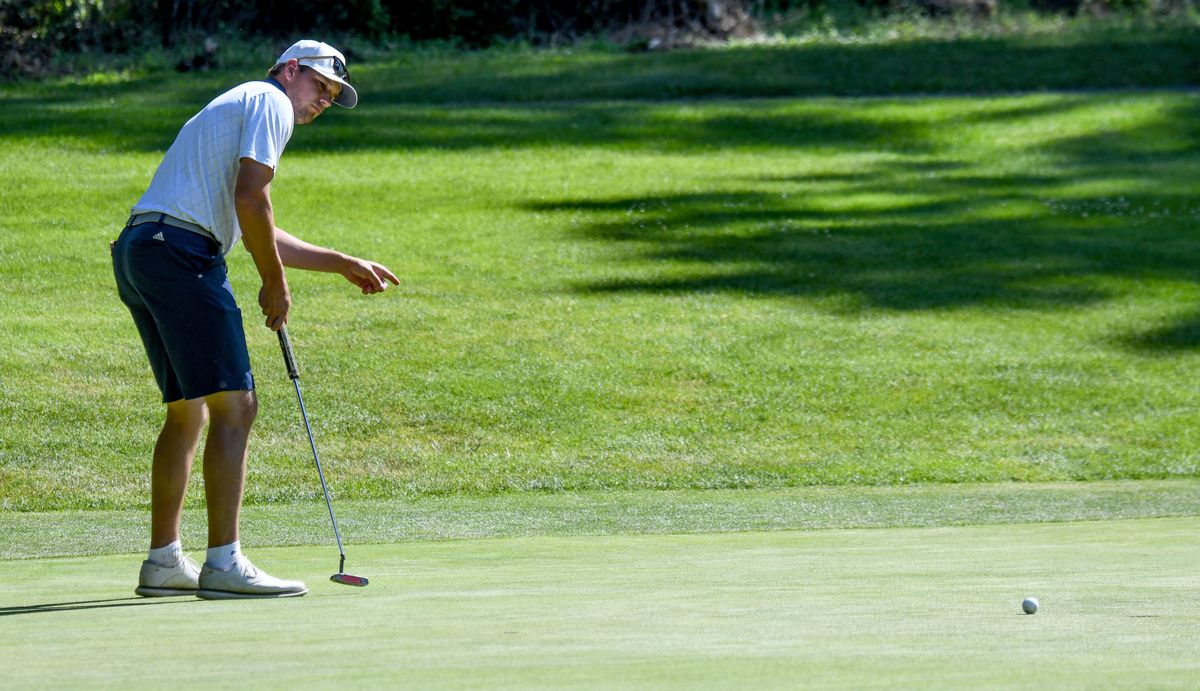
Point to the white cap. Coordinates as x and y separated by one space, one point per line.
327 60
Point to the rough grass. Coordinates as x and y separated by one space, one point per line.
614 292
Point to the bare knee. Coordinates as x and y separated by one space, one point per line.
233 410
187 416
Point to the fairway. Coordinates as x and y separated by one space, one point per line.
960 290
889 608
619 292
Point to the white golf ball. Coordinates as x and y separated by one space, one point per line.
1030 605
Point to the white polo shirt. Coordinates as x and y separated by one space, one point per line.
196 180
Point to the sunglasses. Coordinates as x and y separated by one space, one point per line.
339 67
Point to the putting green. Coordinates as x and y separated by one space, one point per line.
850 608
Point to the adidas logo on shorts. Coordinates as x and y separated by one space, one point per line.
159 236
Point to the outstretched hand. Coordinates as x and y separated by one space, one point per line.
370 277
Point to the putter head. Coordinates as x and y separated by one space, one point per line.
347 579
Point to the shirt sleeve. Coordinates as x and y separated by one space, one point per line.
266 129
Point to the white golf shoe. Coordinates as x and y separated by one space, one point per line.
244 581
157 580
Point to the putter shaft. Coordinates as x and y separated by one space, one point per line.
321 474
290 360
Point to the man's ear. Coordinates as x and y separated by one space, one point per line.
290 69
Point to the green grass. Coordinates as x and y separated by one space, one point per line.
617 291
899 608
571 514
920 270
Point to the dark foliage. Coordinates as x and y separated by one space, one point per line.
483 21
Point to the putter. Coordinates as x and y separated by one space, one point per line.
289 359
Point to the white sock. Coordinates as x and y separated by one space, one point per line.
167 555
222 558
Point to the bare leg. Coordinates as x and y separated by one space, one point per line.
231 416
173 455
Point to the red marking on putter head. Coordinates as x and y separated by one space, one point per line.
347 579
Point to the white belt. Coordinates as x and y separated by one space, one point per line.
156 217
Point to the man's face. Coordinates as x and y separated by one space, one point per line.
311 94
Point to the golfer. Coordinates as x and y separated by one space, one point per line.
212 189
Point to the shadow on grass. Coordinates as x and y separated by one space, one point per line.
1182 335
52 607
923 233
916 255
1108 60
151 126
145 113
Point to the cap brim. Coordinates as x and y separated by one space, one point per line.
348 98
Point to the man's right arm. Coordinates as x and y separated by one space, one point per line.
252 200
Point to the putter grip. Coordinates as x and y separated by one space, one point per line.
289 359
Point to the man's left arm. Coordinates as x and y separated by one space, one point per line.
369 276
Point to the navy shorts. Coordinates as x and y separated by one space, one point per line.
176 286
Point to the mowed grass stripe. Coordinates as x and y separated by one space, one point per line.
423 519
895 608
